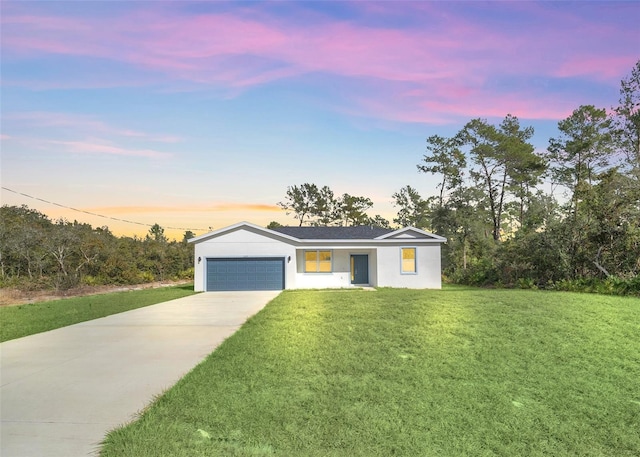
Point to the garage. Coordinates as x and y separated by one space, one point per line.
245 273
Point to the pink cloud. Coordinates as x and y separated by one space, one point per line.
192 46
437 71
453 102
602 67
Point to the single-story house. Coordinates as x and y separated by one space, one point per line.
245 256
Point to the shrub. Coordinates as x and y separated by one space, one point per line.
609 286
479 273
526 283
186 274
629 286
89 280
145 276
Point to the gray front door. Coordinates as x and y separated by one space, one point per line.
360 269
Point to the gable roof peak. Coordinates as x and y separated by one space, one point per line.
407 230
236 226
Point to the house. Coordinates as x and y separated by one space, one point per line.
245 256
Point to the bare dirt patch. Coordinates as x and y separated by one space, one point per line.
10 296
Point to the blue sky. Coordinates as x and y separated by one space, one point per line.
198 115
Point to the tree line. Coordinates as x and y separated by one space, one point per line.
564 218
37 253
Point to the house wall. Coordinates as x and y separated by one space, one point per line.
340 276
242 243
428 275
384 261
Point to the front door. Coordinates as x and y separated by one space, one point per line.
360 269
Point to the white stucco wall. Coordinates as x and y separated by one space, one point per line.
384 260
242 243
427 276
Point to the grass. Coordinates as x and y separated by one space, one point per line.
23 320
458 372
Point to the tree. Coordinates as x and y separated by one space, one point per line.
273 225
352 209
446 159
413 210
504 162
379 221
61 244
22 241
156 233
325 210
539 209
627 120
318 206
187 236
491 171
613 229
86 252
582 150
523 167
301 201
463 221
578 157
36 253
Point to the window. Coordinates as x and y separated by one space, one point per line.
408 260
317 261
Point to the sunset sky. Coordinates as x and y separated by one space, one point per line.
199 115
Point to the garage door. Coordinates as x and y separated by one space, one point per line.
245 274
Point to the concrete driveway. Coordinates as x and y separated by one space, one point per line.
63 390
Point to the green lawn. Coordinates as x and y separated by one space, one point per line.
24 320
458 372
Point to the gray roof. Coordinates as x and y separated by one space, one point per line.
360 232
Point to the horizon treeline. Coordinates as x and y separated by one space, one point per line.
38 253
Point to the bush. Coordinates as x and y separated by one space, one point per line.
629 286
186 274
526 283
89 280
27 284
144 276
609 286
479 273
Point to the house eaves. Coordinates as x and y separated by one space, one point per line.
245 225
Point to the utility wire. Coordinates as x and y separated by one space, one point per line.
96 214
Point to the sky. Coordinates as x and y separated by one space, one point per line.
199 115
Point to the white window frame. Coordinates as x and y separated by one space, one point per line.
415 261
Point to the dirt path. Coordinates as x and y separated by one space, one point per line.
10 297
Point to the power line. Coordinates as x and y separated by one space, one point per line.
96 214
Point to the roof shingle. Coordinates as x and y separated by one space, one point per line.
360 232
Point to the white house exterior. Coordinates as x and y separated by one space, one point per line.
245 256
